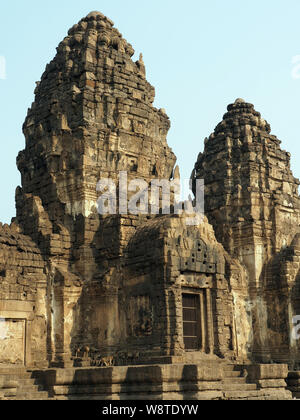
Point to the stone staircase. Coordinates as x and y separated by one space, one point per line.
18 384
225 381
238 386
235 385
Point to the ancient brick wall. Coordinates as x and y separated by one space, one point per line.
23 284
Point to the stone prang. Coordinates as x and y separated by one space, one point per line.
144 305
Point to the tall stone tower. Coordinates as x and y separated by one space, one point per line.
93 117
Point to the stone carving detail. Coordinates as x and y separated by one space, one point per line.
141 316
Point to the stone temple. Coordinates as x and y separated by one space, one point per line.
144 306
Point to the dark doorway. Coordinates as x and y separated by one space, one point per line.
191 321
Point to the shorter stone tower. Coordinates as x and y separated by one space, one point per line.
252 201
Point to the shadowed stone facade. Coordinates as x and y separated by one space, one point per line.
84 296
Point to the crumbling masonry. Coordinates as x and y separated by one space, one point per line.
145 306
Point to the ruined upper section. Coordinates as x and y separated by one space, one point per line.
241 120
92 117
241 114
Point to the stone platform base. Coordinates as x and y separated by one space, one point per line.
212 381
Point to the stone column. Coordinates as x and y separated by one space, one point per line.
64 301
209 320
202 320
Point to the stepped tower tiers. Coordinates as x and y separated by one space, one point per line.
92 117
252 201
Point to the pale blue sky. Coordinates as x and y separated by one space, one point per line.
200 56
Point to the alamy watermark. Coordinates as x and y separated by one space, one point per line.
2 68
138 197
296 67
